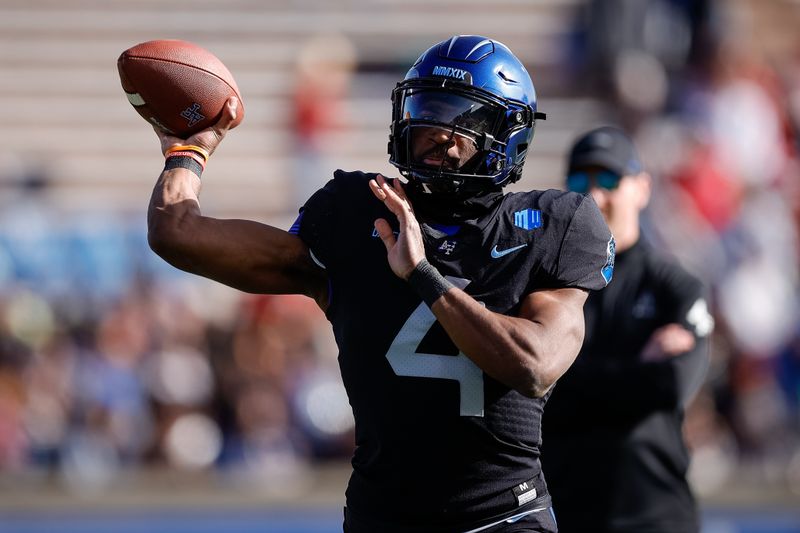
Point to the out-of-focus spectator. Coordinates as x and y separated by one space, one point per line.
323 71
633 52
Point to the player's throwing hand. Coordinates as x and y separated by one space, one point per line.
209 138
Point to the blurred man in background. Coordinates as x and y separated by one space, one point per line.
613 451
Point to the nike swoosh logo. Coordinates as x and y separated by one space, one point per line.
496 254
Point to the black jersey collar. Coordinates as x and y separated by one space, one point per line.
448 209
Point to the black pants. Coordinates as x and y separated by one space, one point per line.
539 522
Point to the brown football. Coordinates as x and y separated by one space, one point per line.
177 86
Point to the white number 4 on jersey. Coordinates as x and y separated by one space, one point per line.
405 360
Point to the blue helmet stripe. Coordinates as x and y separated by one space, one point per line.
479 45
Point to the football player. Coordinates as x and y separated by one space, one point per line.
455 307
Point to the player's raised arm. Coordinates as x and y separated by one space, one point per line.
243 254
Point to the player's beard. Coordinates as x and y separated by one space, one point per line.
448 163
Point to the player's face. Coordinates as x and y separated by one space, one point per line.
441 148
444 127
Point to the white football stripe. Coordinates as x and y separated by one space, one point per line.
135 99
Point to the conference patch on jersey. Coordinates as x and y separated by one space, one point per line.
528 219
608 269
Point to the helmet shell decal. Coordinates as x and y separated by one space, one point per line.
455 73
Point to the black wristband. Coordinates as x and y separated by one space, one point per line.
428 282
184 161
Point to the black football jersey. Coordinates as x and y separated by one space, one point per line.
438 442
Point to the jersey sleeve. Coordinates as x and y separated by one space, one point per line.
586 257
315 224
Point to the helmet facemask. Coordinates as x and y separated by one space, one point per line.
454 138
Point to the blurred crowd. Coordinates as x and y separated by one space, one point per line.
112 360
716 114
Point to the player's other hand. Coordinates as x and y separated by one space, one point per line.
406 250
667 341
209 138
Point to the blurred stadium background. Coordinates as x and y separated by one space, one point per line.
135 398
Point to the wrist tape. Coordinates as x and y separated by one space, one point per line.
183 161
428 282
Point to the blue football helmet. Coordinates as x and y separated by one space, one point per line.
468 91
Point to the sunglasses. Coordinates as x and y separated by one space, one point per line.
581 181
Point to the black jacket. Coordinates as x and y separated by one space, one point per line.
613 451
